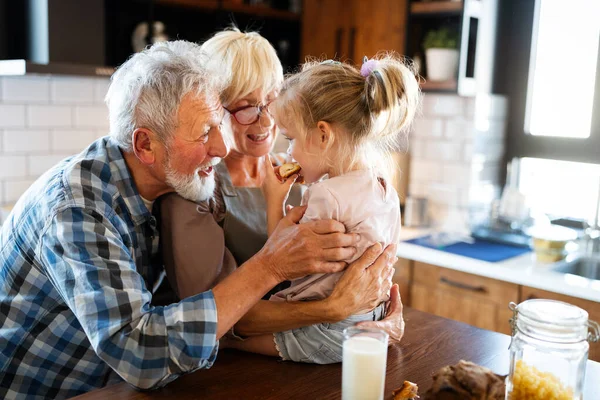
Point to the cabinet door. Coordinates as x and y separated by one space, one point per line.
325 29
592 307
377 28
403 277
472 299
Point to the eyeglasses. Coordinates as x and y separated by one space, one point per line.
247 115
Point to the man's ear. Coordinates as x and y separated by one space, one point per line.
144 145
326 135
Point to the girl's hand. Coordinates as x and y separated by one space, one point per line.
276 192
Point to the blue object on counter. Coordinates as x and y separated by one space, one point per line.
480 249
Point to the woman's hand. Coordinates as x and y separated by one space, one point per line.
366 282
393 323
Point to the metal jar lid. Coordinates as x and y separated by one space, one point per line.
553 321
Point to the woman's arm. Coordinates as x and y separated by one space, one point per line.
270 316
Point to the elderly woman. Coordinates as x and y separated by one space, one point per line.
237 213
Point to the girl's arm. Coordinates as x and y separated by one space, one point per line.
276 193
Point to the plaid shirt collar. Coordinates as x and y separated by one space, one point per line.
123 180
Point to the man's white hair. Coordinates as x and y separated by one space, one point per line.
146 91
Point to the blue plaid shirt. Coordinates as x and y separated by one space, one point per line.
78 257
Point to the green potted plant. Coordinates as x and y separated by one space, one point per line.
441 54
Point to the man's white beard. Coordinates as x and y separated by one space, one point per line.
192 187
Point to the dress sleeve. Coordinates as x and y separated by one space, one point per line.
321 204
90 262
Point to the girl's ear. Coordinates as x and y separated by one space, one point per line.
325 133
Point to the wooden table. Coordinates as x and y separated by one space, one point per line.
430 343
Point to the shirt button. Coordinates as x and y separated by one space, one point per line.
153 222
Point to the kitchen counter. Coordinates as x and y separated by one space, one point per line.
521 270
430 343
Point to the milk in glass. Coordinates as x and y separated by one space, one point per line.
363 367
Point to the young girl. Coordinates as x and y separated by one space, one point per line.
341 123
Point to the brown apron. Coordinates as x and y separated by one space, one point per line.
245 223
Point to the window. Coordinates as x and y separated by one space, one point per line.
551 70
551 58
561 84
560 188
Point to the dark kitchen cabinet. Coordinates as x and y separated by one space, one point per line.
198 20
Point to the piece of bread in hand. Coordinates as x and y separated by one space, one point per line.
288 169
408 391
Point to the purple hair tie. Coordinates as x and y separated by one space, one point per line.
368 67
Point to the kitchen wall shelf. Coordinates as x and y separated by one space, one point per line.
474 22
436 7
197 21
255 10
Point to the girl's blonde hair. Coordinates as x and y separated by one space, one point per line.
370 115
247 60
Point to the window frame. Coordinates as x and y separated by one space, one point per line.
516 33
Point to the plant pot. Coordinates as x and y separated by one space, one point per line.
442 64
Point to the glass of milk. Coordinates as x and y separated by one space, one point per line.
363 364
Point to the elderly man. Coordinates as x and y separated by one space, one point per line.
79 253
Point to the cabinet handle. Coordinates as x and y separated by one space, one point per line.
339 33
351 45
460 285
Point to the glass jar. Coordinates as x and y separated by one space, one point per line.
549 350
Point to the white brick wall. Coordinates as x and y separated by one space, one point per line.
29 89
44 119
456 149
12 116
26 140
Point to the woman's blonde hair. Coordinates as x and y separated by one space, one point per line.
247 60
370 113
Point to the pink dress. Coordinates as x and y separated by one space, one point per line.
365 204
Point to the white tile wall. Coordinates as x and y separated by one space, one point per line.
26 140
458 128
100 89
91 117
72 90
71 140
13 189
49 116
456 148
12 115
30 89
426 127
13 166
436 105
44 119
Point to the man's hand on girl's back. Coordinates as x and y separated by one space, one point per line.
295 250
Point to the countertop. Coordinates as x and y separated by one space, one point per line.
429 344
521 270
